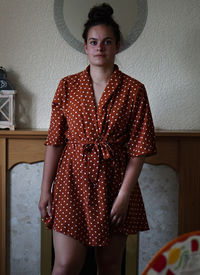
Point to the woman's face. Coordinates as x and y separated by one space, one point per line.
101 46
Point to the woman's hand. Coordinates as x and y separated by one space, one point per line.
120 205
45 201
119 210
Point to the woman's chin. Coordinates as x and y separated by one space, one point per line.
102 63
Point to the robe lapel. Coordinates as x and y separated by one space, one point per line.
87 98
107 96
97 114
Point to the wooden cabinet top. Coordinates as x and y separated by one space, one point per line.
43 132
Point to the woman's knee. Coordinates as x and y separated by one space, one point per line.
108 265
109 258
68 267
69 255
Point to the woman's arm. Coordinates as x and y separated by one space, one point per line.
52 156
120 206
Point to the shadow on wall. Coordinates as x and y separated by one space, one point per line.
23 102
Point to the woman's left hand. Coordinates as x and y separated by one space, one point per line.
119 210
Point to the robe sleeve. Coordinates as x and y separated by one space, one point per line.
141 129
58 123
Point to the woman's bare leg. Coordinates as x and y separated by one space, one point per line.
69 255
109 258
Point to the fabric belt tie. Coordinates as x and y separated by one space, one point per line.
93 151
105 148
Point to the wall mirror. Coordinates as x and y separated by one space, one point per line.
70 16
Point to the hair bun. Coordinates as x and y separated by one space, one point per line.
104 10
101 15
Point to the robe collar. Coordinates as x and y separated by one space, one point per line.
110 87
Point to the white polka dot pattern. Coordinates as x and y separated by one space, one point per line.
99 142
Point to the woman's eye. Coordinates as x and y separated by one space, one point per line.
108 42
93 42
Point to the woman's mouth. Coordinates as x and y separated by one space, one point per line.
99 55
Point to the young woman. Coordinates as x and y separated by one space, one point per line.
101 130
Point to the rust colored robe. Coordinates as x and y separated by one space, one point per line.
99 141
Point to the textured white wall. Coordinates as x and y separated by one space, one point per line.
159 186
165 58
24 219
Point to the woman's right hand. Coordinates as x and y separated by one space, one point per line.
45 203
52 157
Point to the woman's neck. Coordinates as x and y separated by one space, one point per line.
100 74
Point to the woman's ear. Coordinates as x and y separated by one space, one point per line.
117 47
85 47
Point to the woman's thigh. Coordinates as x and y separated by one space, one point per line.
109 258
69 253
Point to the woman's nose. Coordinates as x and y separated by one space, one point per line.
100 46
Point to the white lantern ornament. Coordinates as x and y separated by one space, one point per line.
7 102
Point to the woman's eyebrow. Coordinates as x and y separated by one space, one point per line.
91 38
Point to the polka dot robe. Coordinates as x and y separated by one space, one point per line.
99 141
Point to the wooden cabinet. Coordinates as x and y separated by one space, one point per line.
180 150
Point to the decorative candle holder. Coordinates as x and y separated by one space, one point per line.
7 102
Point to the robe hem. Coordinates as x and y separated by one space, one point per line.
134 232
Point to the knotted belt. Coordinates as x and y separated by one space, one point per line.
94 151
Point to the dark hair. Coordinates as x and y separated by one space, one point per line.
101 15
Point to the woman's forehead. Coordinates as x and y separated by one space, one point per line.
100 31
